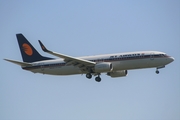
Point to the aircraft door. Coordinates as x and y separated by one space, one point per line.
152 56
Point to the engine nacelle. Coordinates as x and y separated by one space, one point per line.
103 67
120 73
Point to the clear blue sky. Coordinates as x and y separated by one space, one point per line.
80 28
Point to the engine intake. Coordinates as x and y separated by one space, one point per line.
120 73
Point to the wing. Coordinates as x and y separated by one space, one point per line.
81 63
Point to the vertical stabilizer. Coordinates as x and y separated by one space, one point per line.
28 52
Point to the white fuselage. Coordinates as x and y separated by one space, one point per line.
120 61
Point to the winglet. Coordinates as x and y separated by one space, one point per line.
43 47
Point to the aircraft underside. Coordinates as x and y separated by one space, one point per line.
119 68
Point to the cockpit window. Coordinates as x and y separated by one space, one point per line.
162 55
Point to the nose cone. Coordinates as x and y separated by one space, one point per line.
171 59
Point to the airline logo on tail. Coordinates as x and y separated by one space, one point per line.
27 49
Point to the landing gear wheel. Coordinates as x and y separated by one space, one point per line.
157 71
88 75
98 79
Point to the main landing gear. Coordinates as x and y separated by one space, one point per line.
89 76
98 79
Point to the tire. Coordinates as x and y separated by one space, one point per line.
157 72
88 75
98 79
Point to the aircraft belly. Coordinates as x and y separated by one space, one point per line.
72 70
65 70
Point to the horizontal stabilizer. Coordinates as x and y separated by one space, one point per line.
23 64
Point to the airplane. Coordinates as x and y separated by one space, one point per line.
114 65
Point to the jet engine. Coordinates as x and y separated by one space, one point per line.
103 67
120 73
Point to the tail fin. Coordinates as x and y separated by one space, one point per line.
28 52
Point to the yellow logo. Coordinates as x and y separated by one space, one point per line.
27 49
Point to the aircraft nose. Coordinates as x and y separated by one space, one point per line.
171 59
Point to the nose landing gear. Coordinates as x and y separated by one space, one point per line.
157 71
